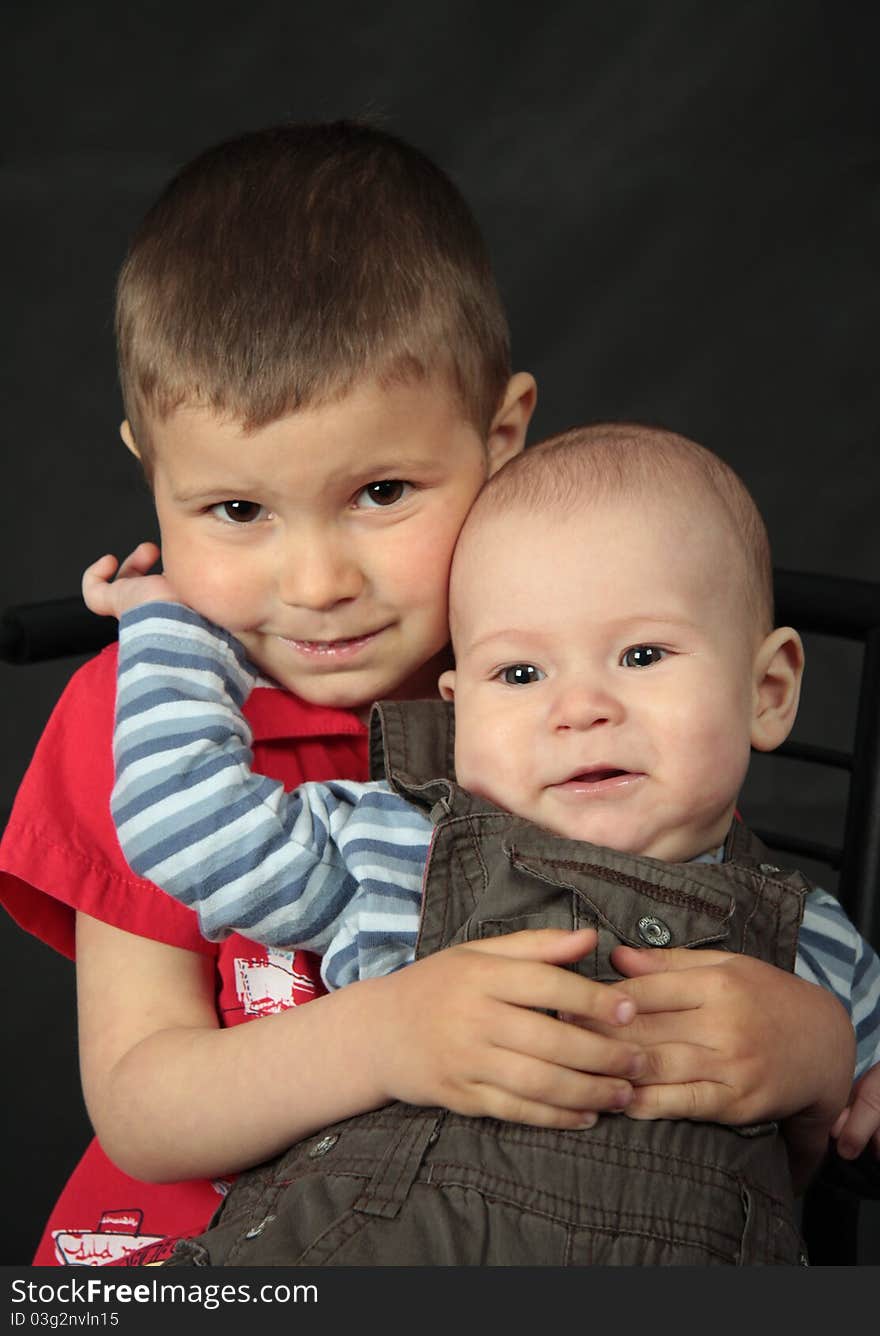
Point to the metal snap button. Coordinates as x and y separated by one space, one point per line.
769 868
654 931
258 1229
321 1147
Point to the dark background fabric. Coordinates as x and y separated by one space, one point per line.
682 203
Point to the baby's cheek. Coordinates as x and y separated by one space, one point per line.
723 760
494 769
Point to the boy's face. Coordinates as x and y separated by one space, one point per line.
604 683
323 540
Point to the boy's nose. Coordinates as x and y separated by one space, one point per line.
582 706
317 573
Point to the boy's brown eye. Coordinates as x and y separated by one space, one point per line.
384 493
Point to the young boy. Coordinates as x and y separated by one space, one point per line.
615 703
309 335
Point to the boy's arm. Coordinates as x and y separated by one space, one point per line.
286 869
172 1095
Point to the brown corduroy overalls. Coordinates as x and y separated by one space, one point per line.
422 1186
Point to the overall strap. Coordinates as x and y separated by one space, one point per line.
412 746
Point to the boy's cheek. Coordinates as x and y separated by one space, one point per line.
212 589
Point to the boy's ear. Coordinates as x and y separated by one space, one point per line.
779 669
127 435
446 684
507 434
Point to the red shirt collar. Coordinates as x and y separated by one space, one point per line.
273 714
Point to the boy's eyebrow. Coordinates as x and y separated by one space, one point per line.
200 494
364 472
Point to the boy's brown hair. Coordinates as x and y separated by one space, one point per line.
279 268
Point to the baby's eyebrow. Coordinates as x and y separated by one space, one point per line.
651 619
511 636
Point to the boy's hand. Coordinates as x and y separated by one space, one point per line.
859 1123
732 1039
459 1030
132 587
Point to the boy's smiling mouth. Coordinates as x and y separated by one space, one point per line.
340 648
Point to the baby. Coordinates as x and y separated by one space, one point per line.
611 614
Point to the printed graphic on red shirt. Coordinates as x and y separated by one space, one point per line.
117 1233
265 982
270 982
119 1239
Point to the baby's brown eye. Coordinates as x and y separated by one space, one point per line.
642 656
521 675
242 512
384 493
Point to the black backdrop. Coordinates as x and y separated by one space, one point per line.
681 199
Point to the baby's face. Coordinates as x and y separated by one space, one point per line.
604 683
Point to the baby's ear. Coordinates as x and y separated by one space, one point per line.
127 435
507 434
778 671
446 684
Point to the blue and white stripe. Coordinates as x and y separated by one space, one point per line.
832 953
336 868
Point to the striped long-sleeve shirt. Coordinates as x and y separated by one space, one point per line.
335 868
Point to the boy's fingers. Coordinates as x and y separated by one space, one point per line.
95 585
551 945
543 986
698 1100
102 569
493 1103
634 961
676 991
860 1126
571 1053
679 1064
526 1077
838 1125
140 561
525 974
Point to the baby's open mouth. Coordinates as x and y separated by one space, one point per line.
598 779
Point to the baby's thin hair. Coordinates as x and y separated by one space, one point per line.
606 461
278 269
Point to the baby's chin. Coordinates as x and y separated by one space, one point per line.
679 846
672 847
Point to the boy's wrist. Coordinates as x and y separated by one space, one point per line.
835 1073
156 607
177 622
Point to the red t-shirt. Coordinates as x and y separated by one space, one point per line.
59 854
